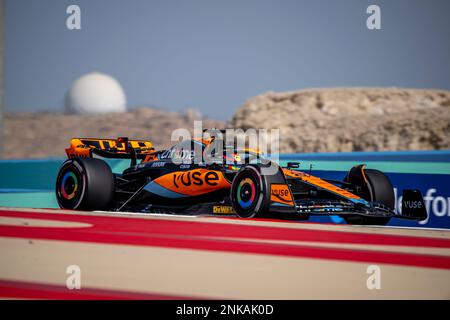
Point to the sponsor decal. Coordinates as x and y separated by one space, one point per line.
196 178
413 204
281 193
223 210
178 154
78 155
158 164
435 204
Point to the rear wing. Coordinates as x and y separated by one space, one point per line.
121 148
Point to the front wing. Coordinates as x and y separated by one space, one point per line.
413 207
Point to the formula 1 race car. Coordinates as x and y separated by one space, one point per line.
156 183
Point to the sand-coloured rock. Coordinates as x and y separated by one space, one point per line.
40 135
316 120
333 120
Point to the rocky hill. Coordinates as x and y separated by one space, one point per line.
38 135
319 120
333 120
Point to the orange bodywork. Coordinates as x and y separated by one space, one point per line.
82 147
193 182
280 193
319 183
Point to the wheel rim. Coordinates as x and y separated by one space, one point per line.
69 188
69 185
246 193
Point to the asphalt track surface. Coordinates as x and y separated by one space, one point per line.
136 256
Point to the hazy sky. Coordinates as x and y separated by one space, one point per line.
213 55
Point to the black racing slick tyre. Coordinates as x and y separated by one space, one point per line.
85 184
379 189
249 192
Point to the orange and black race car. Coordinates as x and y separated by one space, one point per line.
158 182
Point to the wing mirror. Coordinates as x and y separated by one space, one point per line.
293 165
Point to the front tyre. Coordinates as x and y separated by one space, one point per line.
378 188
85 184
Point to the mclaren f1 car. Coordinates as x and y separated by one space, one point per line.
155 182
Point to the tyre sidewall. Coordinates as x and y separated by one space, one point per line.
378 188
77 169
381 188
97 184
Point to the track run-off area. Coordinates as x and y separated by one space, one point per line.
145 256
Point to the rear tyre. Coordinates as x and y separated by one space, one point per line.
379 188
85 184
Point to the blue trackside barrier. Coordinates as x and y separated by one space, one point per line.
428 171
435 189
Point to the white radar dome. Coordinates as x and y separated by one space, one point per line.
95 93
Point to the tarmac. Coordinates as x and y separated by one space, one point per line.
151 256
